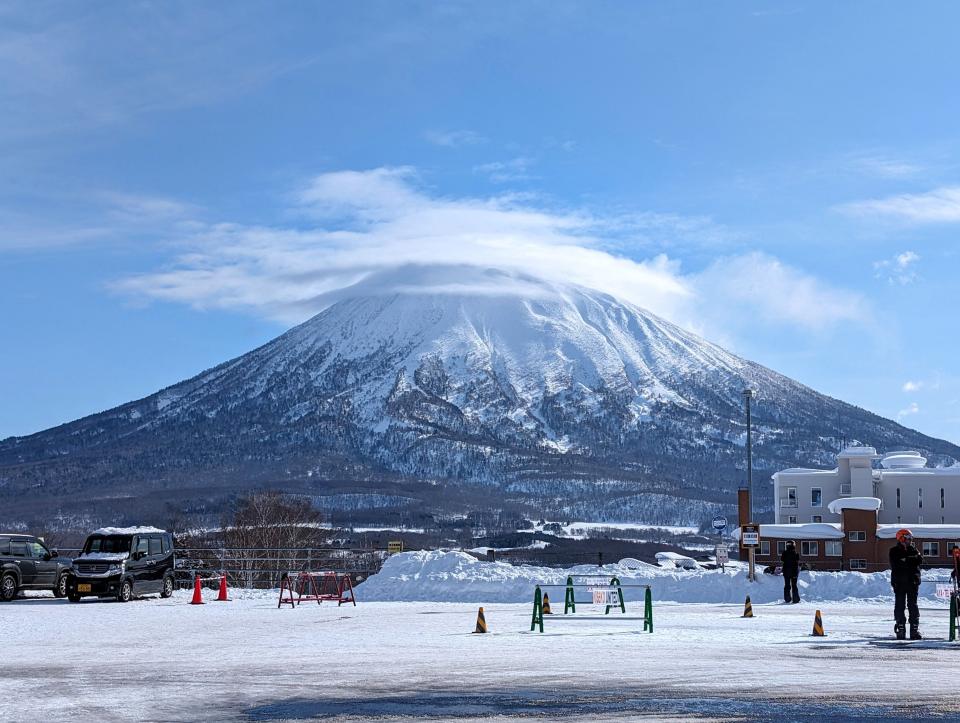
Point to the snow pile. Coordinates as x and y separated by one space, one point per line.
433 575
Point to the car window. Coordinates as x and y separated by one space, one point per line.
143 546
165 544
4 545
154 545
36 550
18 548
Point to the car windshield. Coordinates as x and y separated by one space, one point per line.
111 544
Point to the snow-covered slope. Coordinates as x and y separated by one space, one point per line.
451 389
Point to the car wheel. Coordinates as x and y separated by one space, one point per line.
126 591
8 588
61 589
167 590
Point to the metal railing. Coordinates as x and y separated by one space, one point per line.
252 567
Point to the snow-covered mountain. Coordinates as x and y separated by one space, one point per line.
446 390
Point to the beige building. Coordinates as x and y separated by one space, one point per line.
908 490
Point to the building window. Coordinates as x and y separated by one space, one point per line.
764 547
898 501
950 547
920 498
781 546
809 548
790 498
816 497
857 536
931 549
858 564
792 520
834 548
816 518
941 498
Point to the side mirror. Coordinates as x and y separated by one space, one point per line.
139 554
54 553
47 556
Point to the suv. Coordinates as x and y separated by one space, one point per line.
123 562
26 563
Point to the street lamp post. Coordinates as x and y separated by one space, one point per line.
748 394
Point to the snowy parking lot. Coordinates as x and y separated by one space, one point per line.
246 660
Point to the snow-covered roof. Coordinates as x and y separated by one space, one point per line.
854 503
805 470
923 532
858 452
126 531
802 531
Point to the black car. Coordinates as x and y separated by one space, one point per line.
26 563
122 563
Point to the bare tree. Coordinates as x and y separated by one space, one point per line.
270 530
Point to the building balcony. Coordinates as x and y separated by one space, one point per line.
788 503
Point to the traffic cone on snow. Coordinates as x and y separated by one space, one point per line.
481 622
222 597
818 626
197 597
546 605
747 608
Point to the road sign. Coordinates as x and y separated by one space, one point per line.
750 535
719 523
396 546
722 557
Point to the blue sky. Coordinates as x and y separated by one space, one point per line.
181 181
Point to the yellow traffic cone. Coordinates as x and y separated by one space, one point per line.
747 608
481 622
546 605
818 625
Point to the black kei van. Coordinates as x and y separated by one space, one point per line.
122 563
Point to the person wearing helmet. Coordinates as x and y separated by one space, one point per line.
905 563
791 571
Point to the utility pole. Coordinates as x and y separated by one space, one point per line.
748 394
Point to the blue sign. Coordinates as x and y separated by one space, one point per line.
719 523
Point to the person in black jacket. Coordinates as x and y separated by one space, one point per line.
905 563
791 571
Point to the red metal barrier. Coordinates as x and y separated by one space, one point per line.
332 586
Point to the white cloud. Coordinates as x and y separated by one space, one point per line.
911 386
910 409
364 222
899 269
758 288
516 169
881 166
454 139
941 205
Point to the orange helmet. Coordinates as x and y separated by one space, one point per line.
903 534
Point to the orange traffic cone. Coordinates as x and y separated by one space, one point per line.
197 598
222 597
546 605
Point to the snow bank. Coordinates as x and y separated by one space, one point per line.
432 575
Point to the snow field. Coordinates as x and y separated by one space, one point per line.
246 660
